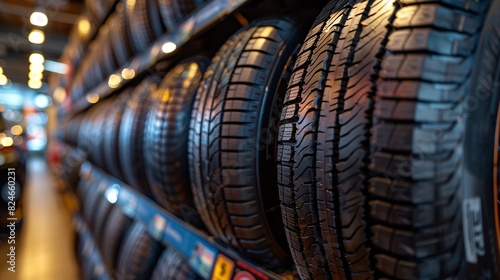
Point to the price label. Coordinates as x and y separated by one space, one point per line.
223 269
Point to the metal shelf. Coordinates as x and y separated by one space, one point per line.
200 20
209 259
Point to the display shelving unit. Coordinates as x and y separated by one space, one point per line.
200 20
208 258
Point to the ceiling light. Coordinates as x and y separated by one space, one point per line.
3 80
16 130
37 68
7 141
43 101
59 94
56 67
36 37
168 47
36 58
128 74
93 98
35 84
35 76
39 19
84 27
114 81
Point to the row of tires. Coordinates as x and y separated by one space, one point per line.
123 245
129 31
347 150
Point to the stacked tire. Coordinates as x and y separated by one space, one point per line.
352 152
373 145
130 29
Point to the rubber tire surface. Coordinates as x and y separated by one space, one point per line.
166 138
131 135
103 210
174 12
138 254
90 204
232 140
114 234
120 40
371 144
111 134
140 24
173 266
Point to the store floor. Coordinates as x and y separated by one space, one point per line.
45 244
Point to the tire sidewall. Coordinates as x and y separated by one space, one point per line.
481 110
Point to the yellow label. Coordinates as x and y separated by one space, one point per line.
223 269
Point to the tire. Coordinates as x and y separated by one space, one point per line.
370 146
103 210
140 24
111 134
120 41
166 137
174 12
139 254
114 234
91 135
232 140
90 204
131 135
173 266
155 21
81 191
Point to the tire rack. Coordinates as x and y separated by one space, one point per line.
201 19
209 259
90 247
109 10
163 226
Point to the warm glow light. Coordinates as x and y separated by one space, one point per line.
7 141
37 68
35 76
168 47
39 19
59 94
114 81
131 3
93 98
16 130
35 84
1 70
84 27
128 74
37 58
36 37
3 80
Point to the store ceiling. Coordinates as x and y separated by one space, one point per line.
15 27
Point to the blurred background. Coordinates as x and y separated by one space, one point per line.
33 35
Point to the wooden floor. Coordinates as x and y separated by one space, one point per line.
44 248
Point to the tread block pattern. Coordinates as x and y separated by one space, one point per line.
166 136
417 138
324 141
225 140
138 255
